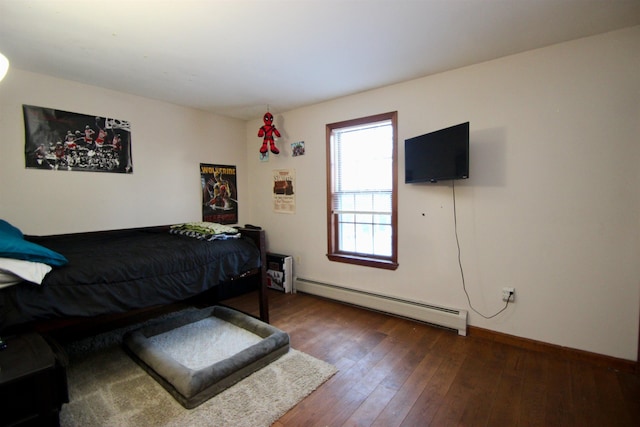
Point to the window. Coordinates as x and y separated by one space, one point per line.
362 191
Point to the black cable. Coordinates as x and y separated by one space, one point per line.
464 285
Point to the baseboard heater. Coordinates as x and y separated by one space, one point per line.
439 316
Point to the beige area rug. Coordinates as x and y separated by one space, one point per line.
107 388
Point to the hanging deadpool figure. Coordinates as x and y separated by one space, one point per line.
268 131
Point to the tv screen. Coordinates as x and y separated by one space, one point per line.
438 156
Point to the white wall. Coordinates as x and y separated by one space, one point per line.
552 207
168 144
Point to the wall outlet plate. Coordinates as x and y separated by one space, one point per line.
509 294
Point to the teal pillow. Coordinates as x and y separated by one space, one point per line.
5 227
13 245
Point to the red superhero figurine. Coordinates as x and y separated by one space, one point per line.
268 131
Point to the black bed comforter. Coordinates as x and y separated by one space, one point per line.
116 271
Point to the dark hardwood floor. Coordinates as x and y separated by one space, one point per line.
396 372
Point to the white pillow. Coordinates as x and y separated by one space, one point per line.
14 271
8 279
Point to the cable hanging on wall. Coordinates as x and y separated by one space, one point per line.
464 285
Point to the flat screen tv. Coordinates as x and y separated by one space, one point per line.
438 156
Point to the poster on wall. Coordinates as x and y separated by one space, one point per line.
219 193
60 140
297 148
284 199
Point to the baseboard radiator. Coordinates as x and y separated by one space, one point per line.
439 316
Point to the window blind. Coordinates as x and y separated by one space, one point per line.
362 169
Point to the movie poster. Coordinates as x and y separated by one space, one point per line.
284 199
219 193
60 140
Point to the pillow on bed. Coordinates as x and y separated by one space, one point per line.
6 228
13 245
14 271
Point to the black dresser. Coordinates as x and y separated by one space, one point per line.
33 381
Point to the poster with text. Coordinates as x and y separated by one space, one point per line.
219 193
284 199
60 140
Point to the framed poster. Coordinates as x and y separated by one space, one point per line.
284 199
60 140
219 193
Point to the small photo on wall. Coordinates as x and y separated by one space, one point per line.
61 140
297 148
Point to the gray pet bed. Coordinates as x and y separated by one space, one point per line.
191 386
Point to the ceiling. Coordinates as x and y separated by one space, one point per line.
238 57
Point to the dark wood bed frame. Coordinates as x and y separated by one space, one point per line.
68 328
259 238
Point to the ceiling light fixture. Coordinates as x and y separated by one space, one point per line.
4 66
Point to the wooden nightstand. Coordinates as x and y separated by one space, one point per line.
33 383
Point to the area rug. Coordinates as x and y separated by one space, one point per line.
107 388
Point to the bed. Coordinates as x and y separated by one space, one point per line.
119 271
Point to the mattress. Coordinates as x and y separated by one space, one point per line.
116 271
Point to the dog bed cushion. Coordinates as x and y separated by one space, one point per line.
189 374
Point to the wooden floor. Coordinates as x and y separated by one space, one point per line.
395 372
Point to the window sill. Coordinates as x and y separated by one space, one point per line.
364 261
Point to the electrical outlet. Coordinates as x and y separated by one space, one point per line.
509 294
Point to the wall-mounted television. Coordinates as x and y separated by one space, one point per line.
438 156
